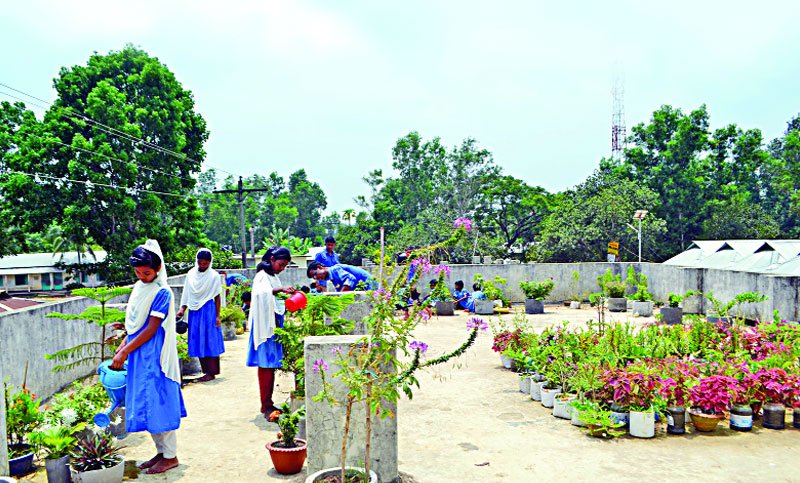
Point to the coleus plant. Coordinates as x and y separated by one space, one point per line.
774 385
712 394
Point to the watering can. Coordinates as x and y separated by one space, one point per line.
296 302
114 381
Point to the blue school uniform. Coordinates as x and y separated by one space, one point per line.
327 260
468 303
153 402
350 276
205 338
269 354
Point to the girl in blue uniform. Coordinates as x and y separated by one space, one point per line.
201 295
266 312
153 399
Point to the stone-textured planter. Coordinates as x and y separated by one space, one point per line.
58 470
642 309
575 305
445 308
322 474
484 307
190 366
228 330
617 304
476 259
534 306
671 315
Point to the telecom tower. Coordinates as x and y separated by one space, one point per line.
618 132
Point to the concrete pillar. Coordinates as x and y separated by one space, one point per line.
325 423
356 311
3 442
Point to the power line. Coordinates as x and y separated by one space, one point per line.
109 129
92 183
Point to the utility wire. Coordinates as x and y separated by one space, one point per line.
92 183
109 130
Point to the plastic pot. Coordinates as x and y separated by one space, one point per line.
642 424
774 416
549 396
676 420
741 417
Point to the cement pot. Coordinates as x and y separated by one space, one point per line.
104 475
58 470
534 306
228 330
671 315
617 304
575 305
484 307
445 308
322 474
642 309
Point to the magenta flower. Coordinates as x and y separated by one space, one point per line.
336 350
465 222
424 315
443 268
320 365
417 345
477 323
421 264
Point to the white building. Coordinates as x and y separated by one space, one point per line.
37 271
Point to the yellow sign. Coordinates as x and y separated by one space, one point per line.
613 248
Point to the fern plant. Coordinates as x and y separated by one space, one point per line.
111 321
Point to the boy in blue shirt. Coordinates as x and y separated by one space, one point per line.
463 298
476 292
327 258
344 277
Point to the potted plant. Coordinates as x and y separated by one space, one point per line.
231 318
441 295
600 423
288 453
638 389
674 388
55 444
575 298
710 398
614 288
535 293
22 417
96 459
189 365
491 289
744 394
673 314
642 302
773 391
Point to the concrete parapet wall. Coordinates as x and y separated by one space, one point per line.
325 423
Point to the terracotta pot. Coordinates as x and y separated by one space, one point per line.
705 422
288 461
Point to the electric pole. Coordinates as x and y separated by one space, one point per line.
240 192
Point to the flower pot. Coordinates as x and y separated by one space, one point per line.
190 366
628 303
525 383
642 309
103 475
741 417
21 464
549 396
288 461
705 422
575 305
617 304
322 474
58 470
716 319
676 420
774 416
561 408
487 260
642 424
796 418
445 308
534 306
228 330
506 361
575 419
671 315
620 414
536 390
476 259
484 307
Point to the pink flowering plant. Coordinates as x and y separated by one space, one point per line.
383 364
712 394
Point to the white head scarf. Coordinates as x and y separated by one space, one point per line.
263 307
138 312
200 287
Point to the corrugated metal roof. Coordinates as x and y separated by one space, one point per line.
779 257
30 260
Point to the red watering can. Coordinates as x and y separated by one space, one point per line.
296 302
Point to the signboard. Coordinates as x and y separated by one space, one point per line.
613 248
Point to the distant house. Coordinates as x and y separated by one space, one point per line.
37 272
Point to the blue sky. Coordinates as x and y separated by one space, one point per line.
330 86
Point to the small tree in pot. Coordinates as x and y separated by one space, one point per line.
535 293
